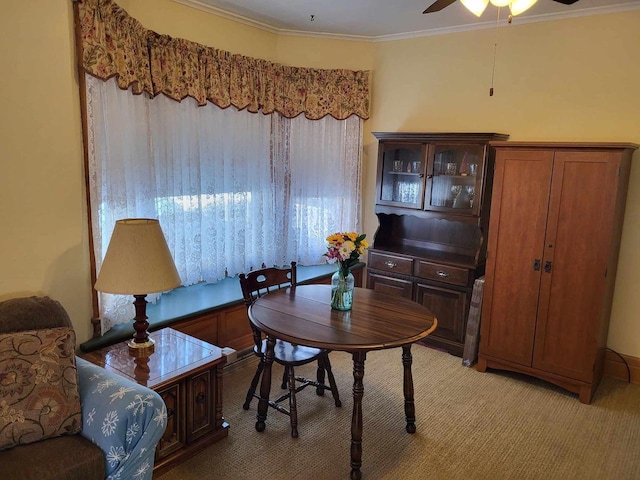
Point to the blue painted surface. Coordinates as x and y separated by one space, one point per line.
185 302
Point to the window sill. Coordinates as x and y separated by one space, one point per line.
186 302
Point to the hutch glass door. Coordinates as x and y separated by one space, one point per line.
457 172
402 175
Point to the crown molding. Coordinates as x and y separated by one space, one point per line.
519 20
228 15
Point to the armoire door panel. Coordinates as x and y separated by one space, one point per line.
577 246
517 230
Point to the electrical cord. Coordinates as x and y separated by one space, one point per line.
623 361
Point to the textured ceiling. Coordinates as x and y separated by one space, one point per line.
377 19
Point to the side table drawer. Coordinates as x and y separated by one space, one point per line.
200 399
174 436
390 263
442 273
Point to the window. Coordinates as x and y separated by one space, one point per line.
232 189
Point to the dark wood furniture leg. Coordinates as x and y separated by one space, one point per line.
320 377
254 385
332 381
265 385
293 408
356 419
409 405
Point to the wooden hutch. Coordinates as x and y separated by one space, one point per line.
433 194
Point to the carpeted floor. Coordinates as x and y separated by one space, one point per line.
471 426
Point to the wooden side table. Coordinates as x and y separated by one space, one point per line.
187 373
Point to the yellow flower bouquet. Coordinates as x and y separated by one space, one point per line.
344 248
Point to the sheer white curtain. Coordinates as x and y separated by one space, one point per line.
232 189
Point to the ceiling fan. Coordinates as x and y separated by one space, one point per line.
516 7
477 6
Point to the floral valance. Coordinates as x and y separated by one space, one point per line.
115 44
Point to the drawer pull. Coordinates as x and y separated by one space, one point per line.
200 398
390 264
442 274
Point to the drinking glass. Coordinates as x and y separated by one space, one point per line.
455 191
471 191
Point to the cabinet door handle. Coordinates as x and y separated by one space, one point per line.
442 274
390 264
547 266
536 264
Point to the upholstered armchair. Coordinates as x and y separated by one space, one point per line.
61 416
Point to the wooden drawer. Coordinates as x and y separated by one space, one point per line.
442 273
390 286
390 263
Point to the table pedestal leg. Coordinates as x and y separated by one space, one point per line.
265 385
356 419
409 405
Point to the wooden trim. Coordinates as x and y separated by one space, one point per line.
614 367
82 90
555 145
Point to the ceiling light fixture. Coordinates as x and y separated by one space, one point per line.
516 7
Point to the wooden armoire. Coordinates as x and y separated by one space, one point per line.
554 234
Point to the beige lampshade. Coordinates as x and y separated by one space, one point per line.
138 260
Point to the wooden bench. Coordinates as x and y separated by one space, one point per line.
213 312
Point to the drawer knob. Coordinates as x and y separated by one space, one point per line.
390 264
442 274
201 397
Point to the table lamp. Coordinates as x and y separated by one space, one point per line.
138 262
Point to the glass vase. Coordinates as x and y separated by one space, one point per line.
342 283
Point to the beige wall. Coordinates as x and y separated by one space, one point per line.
43 235
562 80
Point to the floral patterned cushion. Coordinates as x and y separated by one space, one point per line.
38 386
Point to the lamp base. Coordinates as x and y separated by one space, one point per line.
141 345
141 349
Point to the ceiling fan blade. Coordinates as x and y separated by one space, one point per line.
440 4
566 2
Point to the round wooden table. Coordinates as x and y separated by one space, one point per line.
303 315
